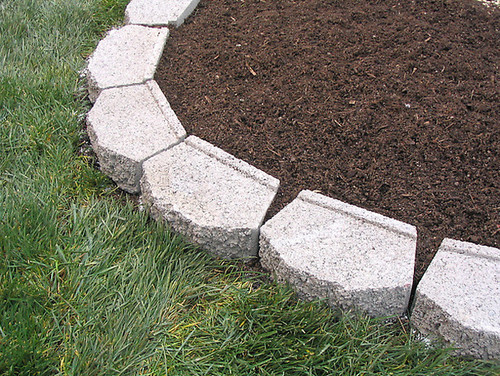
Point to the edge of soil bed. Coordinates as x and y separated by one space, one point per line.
440 216
129 85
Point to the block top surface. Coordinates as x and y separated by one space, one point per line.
471 249
159 12
360 213
135 121
341 243
126 56
209 186
464 280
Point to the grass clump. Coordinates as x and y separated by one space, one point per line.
90 286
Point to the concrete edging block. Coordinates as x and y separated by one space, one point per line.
126 56
349 256
159 12
458 298
128 125
215 200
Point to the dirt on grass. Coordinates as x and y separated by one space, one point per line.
393 106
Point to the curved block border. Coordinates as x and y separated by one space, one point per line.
129 56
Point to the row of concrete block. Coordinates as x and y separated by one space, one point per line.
324 248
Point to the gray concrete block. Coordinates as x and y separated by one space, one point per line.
126 56
159 12
215 200
353 258
129 124
458 298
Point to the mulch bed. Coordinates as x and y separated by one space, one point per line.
389 105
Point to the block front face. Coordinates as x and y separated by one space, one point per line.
458 298
125 56
214 199
159 12
357 257
128 125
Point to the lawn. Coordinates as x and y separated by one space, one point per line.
89 285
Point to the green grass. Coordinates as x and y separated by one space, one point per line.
90 286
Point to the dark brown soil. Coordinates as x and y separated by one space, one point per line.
390 105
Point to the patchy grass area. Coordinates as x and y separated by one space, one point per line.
91 286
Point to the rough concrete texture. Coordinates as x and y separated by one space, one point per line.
126 56
458 298
353 258
129 124
215 200
159 12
